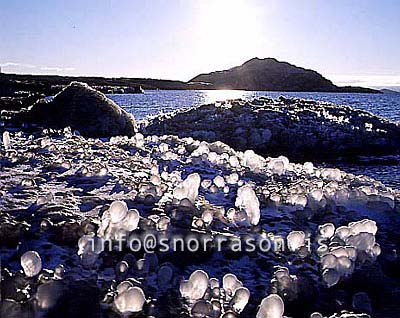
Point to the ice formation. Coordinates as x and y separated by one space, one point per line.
196 286
31 263
347 246
188 189
271 307
127 186
118 221
207 297
230 283
118 211
296 240
248 201
130 300
240 299
284 284
6 140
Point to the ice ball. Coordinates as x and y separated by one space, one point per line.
231 283
247 200
327 230
131 300
331 277
118 210
6 140
31 263
271 307
240 299
295 240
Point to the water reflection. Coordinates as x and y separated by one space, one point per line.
221 95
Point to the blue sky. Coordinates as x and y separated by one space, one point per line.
350 42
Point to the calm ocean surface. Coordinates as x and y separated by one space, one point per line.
385 105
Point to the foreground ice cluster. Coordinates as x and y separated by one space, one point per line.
347 244
207 298
63 196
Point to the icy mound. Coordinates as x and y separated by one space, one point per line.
62 196
83 109
293 127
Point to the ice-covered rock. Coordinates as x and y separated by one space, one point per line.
139 175
295 128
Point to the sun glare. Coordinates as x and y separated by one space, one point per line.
213 96
227 26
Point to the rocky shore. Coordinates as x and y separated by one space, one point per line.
56 193
299 129
62 195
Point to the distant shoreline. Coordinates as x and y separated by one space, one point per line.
47 85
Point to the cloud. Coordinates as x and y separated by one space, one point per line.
57 69
15 64
21 67
365 80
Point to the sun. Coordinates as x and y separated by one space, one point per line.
227 26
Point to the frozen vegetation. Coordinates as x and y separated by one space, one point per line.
63 196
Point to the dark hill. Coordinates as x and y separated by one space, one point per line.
272 75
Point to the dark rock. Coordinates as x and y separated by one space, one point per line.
84 109
78 299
